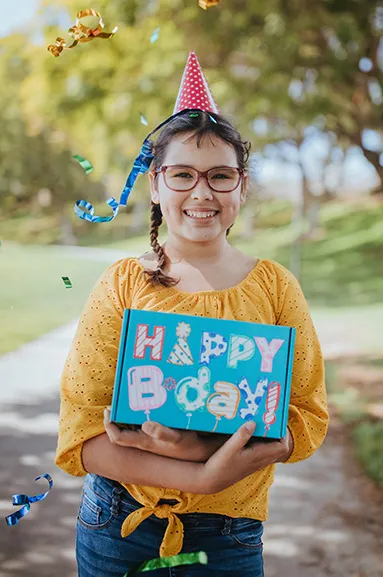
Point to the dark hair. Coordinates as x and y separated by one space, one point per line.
200 124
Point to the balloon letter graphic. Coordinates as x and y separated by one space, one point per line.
213 345
241 348
253 400
145 390
191 393
268 352
224 402
143 340
272 402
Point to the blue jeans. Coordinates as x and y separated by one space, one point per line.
233 546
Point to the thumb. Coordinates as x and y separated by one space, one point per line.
237 441
161 433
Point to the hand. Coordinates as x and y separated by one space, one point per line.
155 438
233 461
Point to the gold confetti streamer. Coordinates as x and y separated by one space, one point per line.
89 25
205 4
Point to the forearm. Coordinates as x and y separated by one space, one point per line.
133 466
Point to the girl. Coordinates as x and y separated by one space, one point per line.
157 489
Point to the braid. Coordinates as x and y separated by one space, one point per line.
158 276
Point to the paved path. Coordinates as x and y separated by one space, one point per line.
321 522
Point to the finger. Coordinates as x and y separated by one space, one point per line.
161 433
236 442
125 437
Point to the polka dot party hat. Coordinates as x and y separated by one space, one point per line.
194 92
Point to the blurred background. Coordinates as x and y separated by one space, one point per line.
303 81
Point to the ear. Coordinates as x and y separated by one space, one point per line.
243 194
154 194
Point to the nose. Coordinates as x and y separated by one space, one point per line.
202 191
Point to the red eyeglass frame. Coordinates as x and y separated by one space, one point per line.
201 174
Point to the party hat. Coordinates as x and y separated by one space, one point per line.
194 92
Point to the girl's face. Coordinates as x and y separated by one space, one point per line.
185 212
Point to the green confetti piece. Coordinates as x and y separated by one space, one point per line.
175 561
85 163
143 119
194 115
67 282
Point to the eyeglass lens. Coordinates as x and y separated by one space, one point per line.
184 178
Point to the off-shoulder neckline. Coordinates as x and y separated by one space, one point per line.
250 275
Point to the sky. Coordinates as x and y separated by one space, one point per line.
357 171
16 13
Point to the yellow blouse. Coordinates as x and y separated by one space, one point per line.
269 294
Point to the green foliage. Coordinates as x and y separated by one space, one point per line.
350 404
369 443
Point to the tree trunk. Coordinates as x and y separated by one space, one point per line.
373 158
67 235
248 221
296 247
139 218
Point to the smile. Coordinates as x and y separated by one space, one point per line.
198 214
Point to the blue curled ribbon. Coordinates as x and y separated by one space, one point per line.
89 216
140 166
26 500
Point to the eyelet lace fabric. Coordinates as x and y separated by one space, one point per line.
269 294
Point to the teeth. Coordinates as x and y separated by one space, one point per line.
195 214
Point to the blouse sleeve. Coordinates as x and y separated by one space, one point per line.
88 377
308 416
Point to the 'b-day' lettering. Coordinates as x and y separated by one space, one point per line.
146 392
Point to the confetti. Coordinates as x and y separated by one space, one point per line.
26 500
143 119
175 561
205 4
85 163
140 166
89 25
67 282
155 35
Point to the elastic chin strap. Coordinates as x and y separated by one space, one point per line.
140 166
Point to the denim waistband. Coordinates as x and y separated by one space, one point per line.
107 489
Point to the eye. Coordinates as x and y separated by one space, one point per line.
221 176
182 175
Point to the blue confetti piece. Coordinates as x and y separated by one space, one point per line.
88 213
155 35
143 120
14 518
26 500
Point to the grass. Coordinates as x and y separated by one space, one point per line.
33 297
343 266
351 392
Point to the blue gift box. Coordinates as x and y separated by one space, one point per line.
203 374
